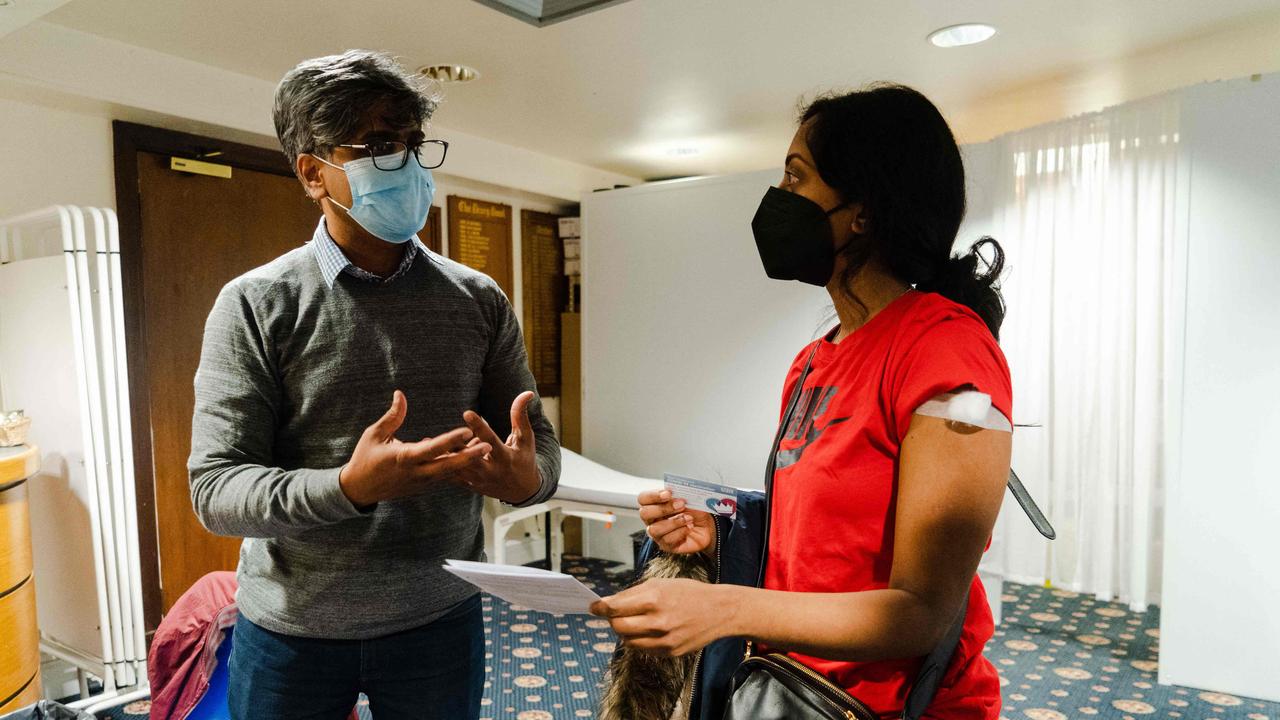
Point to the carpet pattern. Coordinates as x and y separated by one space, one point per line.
1065 655
1060 655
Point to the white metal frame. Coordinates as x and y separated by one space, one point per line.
559 509
90 246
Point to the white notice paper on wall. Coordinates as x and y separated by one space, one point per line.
536 589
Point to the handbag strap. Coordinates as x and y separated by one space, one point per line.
787 416
934 667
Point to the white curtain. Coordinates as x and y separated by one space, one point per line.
1085 209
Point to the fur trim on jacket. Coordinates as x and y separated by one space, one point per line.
640 686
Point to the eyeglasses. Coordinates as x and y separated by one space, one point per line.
393 154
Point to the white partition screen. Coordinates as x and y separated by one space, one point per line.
1220 628
685 341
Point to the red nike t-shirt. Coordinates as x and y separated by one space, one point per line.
834 486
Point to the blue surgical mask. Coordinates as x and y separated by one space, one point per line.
390 204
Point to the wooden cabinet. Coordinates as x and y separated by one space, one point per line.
19 638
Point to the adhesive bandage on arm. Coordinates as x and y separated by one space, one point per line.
967 406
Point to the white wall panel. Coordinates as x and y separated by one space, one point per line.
1220 628
685 341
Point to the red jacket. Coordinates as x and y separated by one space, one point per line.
184 653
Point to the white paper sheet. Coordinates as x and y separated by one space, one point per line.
533 588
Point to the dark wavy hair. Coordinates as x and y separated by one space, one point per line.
887 147
322 102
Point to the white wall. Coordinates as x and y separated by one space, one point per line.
35 346
50 155
1239 49
1220 626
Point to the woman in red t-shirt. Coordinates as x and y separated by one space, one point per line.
878 515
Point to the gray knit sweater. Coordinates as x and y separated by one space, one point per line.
291 373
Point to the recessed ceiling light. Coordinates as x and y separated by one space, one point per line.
958 35
450 73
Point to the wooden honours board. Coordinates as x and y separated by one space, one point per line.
542 257
430 234
480 238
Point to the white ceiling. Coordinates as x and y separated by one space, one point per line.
619 88
17 14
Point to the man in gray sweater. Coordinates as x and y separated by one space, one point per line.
349 507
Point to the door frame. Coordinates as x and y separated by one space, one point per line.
130 139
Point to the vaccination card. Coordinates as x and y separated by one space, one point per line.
702 495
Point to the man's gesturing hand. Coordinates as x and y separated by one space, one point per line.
384 468
509 471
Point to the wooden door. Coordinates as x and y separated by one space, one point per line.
182 237
198 232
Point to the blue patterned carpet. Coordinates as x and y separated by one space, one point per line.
1063 655
1060 655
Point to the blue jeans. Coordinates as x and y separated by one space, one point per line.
433 671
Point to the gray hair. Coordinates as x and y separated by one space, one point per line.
322 102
